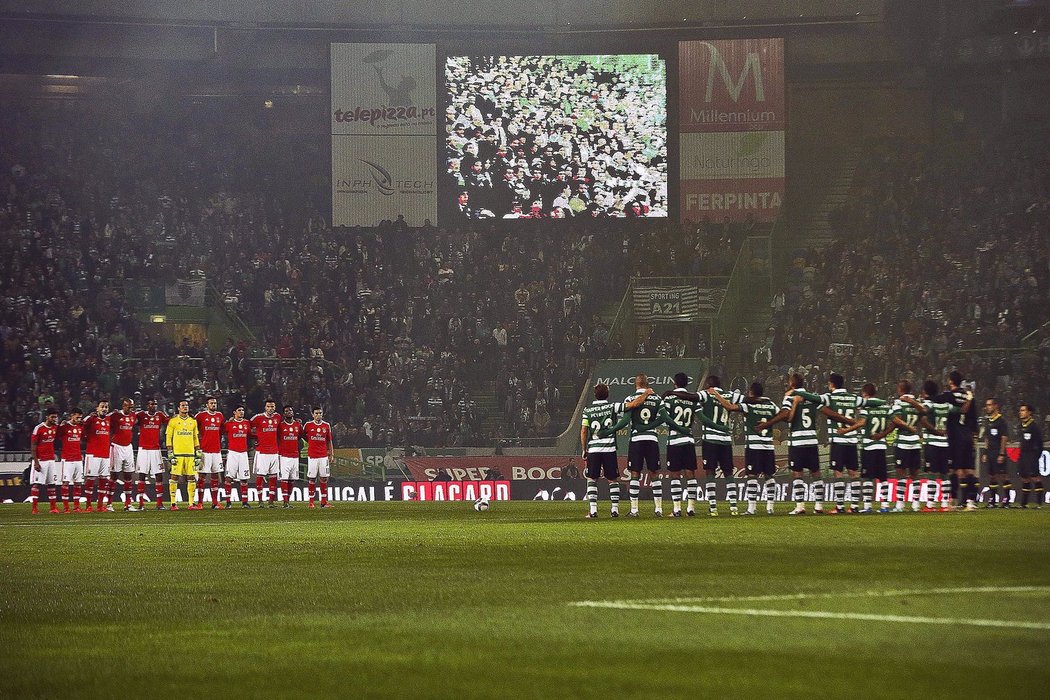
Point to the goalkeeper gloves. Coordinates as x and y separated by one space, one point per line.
198 459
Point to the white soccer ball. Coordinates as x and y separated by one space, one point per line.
481 504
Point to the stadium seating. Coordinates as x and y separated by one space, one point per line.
424 336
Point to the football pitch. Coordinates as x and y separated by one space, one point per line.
526 600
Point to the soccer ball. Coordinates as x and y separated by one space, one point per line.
481 504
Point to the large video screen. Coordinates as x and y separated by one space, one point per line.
556 136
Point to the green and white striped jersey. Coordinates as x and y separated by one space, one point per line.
804 425
938 414
756 411
681 411
644 415
841 401
714 411
600 414
907 440
876 419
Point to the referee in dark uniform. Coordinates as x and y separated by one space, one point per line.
1028 463
996 433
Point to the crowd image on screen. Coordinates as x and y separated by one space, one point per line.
556 136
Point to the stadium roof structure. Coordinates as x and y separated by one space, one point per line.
453 14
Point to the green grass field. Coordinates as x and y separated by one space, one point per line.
417 599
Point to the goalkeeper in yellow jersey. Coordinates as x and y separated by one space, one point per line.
184 450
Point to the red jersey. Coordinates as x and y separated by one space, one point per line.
264 430
97 430
288 438
210 426
69 438
44 441
237 434
122 425
149 429
317 437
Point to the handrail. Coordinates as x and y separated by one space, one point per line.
625 307
211 294
1041 329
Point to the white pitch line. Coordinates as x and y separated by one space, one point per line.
856 594
818 614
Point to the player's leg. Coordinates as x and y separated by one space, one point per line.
901 487
325 471
611 471
634 466
709 455
768 469
273 480
105 486
90 479
652 464
311 479
867 485
285 478
692 485
1005 486
751 484
816 476
674 475
593 471
798 485
728 469
882 483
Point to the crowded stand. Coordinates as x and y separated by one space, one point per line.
935 256
385 326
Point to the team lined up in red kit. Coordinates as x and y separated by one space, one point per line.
83 459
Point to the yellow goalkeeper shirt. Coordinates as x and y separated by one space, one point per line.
183 436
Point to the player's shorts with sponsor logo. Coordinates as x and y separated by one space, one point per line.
717 455
760 462
211 463
681 458
184 465
289 468
150 462
96 467
908 459
805 457
937 459
266 464
73 471
643 453
49 473
844 457
122 458
602 464
237 466
873 464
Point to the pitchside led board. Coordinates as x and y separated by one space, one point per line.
731 122
384 131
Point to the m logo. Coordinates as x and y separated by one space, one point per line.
752 66
384 183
